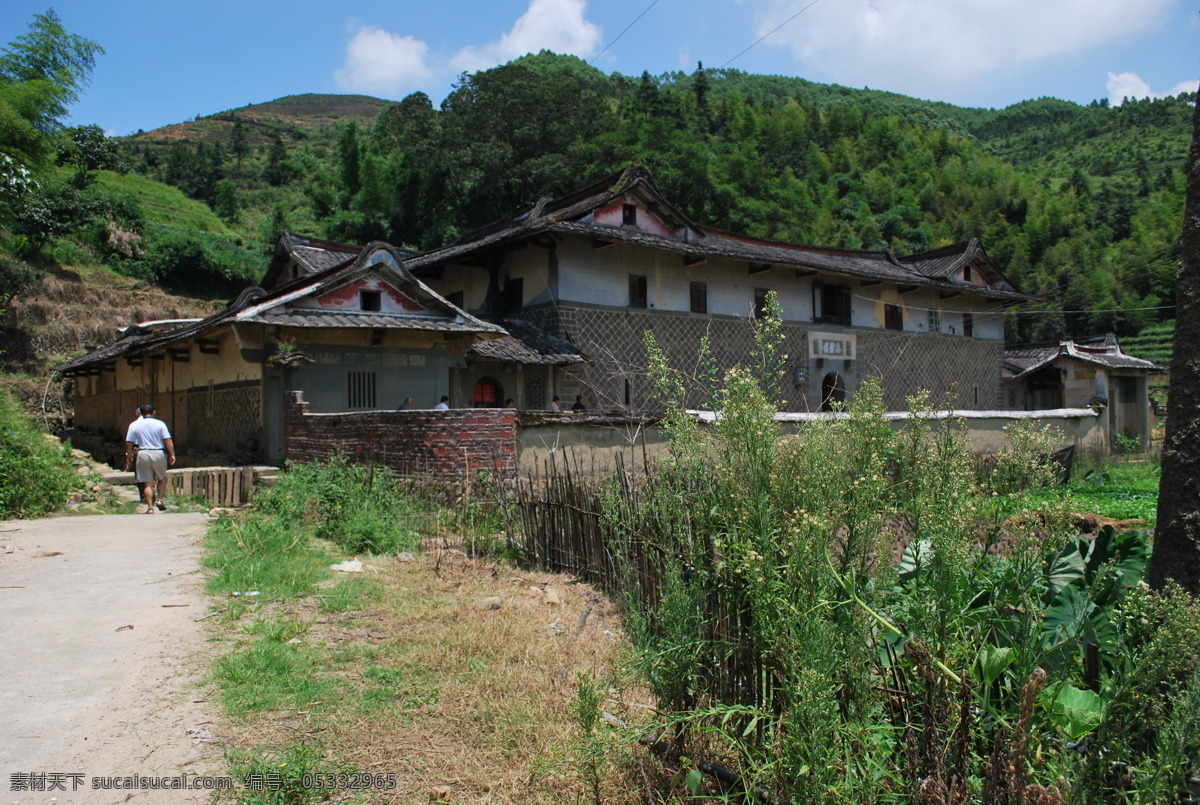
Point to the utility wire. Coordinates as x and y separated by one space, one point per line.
627 27
768 33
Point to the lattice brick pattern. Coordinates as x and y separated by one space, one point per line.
222 417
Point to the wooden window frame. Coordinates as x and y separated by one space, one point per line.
835 295
893 316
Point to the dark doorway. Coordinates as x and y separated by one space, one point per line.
833 390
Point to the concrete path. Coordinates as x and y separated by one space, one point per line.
102 660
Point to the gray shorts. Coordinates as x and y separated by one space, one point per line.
151 466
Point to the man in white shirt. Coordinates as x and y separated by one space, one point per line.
156 451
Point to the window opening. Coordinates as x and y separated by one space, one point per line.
637 290
371 301
699 297
760 302
629 214
893 317
831 303
535 393
360 389
513 297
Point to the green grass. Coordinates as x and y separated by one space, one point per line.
352 594
253 554
284 776
163 204
1126 490
271 674
1121 489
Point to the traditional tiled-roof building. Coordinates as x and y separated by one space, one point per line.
601 266
559 297
359 333
1083 372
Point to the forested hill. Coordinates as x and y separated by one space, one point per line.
1082 204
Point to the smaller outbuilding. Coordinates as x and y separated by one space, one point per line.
1086 372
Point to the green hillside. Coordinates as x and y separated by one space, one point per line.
162 204
295 116
1081 205
1154 343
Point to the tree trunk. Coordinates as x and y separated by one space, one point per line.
1176 553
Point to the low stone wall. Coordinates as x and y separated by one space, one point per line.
453 445
446 446
594 445
590 445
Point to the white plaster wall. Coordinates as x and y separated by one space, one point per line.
532 266
471 280
601 277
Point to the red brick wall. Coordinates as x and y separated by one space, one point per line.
447 446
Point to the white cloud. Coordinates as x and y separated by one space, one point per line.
557 25
1183 86
1131 85
383 63
1126 85
935 48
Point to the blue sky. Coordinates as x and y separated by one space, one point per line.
170 61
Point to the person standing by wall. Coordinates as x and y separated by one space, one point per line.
443 404
155 452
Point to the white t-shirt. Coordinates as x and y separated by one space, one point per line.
148 433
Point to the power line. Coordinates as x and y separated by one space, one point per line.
627 27
1028 311
768 33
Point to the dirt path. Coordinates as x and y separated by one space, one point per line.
83 694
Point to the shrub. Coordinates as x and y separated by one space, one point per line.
359 509
857 615
35 476
186 261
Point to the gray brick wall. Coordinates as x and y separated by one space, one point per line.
905 362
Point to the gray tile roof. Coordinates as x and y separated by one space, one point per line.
571 214
1104 351
274 307
527 344
352 319
311 256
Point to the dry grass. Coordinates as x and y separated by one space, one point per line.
463 703
68 311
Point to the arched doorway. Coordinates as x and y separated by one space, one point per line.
488 393
833 390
